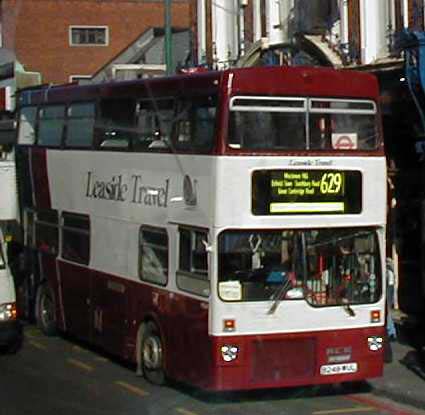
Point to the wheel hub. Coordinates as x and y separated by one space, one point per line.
152 353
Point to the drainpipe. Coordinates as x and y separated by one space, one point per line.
168 39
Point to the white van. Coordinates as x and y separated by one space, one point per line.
10 327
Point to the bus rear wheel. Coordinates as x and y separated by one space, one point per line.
46 311
152 353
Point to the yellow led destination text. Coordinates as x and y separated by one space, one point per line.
307 192
301 184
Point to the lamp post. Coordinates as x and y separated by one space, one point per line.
167 40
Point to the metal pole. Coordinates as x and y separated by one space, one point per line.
168 40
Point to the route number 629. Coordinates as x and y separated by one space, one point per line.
331 183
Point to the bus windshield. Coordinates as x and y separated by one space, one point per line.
262 123
325 267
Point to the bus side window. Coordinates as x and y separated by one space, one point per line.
50 125
79 132
27 120
155 123
196 124
192 274
153 255
115 124
76 238
47 232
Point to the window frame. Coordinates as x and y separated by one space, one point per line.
88 27
77 78
166 249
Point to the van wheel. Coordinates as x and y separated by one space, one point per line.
152 355
46 311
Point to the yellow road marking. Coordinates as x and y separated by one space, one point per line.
185 411
345 410
134 389
101 359
80 365
37 345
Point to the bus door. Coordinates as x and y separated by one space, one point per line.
75 275
189 307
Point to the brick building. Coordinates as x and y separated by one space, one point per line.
69 39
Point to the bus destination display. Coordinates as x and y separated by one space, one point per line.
282 192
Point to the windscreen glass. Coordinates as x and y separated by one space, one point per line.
325 267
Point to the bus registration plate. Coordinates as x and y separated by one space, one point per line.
338 369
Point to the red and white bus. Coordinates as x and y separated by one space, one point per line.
225 229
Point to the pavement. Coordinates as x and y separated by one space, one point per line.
404 377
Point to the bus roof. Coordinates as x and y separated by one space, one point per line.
276 80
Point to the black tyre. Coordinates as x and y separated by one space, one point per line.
46 311
152 355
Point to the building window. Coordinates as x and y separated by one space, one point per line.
192 274
80 79
88 36
153 262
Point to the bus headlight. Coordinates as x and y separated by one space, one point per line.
229 352
8 312
375 343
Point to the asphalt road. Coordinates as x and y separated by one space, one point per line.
60 376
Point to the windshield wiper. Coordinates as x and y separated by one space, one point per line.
279 296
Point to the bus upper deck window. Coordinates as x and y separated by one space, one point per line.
196 124
115 125
79 131
51 124
267 130
343 125
27 120
267 123
154 124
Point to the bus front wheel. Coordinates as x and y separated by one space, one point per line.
152 352
46 310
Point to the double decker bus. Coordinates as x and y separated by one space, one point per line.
224 229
